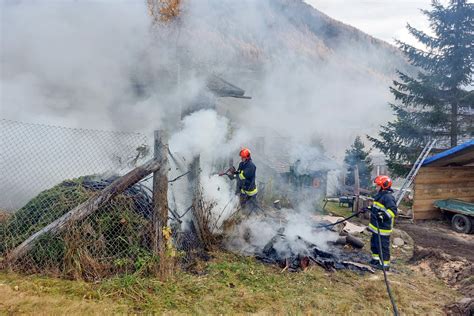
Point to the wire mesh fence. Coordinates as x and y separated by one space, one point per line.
36 157
47 171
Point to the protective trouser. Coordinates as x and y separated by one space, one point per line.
374 247
248 203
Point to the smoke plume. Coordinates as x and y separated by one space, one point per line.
102 65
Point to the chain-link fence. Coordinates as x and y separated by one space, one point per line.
36 157
47 171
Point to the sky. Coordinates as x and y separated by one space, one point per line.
384 19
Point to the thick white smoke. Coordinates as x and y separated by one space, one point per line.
209 136
101 65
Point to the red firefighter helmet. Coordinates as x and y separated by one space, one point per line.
245 153
383 181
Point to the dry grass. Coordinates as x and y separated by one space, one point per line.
230 284
33 295
205 221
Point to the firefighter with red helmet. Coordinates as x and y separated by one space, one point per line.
246 180
245 175
382 218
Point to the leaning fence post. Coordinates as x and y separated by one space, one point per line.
160 199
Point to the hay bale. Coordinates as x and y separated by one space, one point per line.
113 239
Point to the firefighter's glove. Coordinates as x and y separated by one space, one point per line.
232 170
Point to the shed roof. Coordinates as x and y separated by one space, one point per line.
222 88
460 155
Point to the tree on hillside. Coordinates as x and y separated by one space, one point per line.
164 11
356 155
437 103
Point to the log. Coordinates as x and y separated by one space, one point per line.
87 208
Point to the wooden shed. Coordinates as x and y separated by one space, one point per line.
447 175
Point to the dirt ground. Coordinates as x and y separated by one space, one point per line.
438 235
447 255
440 253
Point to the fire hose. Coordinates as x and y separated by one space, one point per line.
389 291
387 283
340 221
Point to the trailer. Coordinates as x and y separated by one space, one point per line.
461 213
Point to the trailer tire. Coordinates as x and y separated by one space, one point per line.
461 223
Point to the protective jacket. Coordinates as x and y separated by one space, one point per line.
384 210
246 173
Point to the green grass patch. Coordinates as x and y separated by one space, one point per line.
334 209
231 284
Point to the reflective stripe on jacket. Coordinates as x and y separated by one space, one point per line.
384 203
246 173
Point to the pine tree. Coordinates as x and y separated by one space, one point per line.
356 155
437 103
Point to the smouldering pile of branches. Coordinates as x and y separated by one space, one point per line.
114 239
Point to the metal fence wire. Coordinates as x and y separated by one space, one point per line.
45 172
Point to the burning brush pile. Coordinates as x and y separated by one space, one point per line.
293 241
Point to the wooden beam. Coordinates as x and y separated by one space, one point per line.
444 179
444 195
449 185
85 209
425 202
424 170
427 215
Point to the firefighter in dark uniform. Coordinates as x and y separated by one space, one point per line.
246 181
245 175
382 214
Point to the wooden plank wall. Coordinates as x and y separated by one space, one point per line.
437 183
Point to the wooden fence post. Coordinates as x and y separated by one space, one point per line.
356 189
160 199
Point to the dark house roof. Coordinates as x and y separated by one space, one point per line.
460 155
221 88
